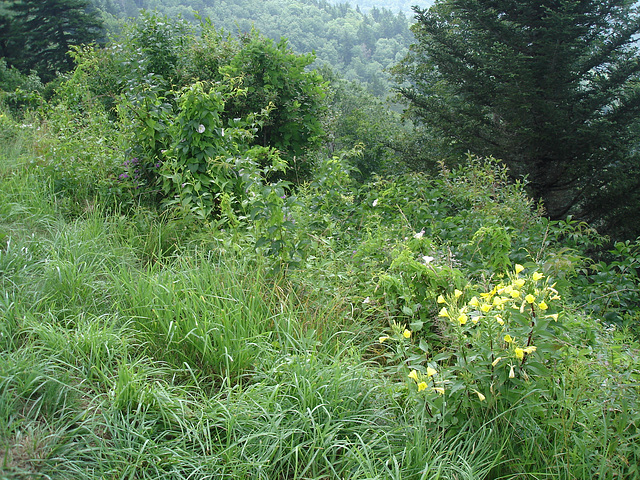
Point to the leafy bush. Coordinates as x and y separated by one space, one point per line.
19 92
156 55
80 151
206 152
611 290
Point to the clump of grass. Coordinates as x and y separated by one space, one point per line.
205 314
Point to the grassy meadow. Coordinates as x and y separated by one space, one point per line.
414 327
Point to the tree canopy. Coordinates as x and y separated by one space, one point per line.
37 34
552 88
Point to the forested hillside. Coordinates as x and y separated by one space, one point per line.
360 46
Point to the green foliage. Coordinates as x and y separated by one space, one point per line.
549 89
198 162
357 117
159 42
70 144
509 363
410 285
145 55
146 114
18 92
201 163
10 77
275 77
80 151
495 348
610 290
492 244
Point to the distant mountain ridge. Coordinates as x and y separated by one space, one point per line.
405 6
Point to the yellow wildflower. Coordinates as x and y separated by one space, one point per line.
413 375
530 349
441 299
431 371
480 396
439 390
383 339
508 338
474 302
462 319
406 333
457 293
422 386
519 283
554 316
443 312
490 294
485 307
499 301
530 298
519 268
499 320
495 362
512 373
537 276
515 293
543 305
519 353
555 297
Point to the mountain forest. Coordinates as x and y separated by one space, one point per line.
313 240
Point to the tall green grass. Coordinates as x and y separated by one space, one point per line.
196 365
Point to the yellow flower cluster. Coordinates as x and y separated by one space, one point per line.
521 294
422 379
500 297
494 330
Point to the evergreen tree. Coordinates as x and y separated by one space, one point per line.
6 32
551 87
44 30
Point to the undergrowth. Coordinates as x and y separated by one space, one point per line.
415 327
